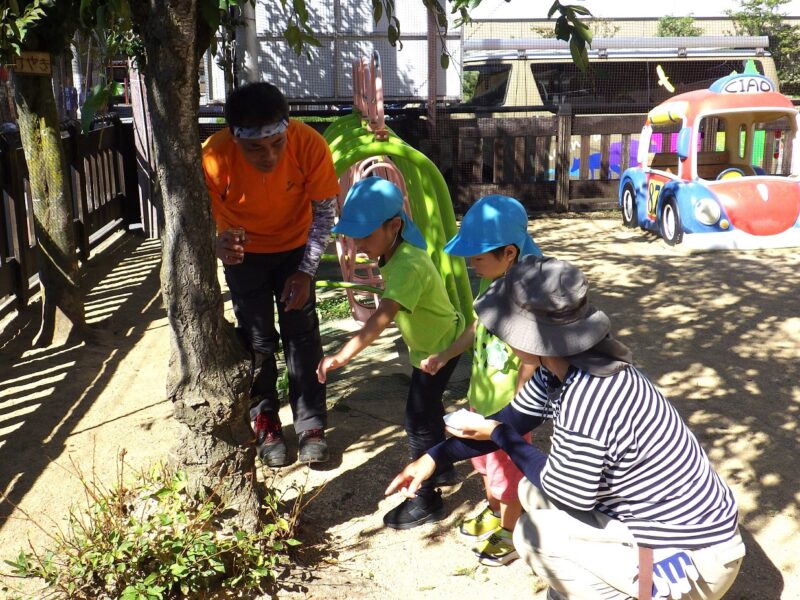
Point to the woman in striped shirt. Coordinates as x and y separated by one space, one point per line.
626 487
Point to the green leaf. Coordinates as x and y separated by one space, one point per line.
577 47
563 29
377 10
444 60
556 7
392 34
293 37
129 593
98 97
116 88
210 12
301 10
581 31
311 40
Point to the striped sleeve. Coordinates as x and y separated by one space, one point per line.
532 398
574 469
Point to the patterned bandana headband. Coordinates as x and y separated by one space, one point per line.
256 133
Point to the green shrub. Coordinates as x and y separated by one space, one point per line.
334 307
156 540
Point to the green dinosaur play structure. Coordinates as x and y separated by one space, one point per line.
362 145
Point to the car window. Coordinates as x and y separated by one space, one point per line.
634 82
485 85
772 147
662 153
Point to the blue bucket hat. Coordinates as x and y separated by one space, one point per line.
369 203
492 222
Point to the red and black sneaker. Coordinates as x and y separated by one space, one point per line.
270 446
313 447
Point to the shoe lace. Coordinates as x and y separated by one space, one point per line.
314 434
485 515
266 424
498 538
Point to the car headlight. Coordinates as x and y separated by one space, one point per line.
707 211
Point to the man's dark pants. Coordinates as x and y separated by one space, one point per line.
256 285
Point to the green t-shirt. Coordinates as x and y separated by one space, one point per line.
426 319
495 368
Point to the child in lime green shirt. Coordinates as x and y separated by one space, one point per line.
493 234
415 298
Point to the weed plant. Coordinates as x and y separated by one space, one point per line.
156 540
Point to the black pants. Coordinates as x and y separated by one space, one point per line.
256 285
424 421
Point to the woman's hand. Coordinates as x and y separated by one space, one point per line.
409 479
478 431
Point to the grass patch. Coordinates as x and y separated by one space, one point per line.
333 308
154 540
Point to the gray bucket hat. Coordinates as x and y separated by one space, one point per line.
540 306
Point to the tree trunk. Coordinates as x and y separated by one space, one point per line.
208 380
62 301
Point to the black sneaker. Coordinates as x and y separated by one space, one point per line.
416 511
313 447
270 446
446 478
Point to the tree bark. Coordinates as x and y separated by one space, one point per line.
208 379
59 275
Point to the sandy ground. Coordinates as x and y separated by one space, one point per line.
718 332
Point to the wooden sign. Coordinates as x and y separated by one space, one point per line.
33 63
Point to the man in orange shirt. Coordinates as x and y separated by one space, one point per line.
273 189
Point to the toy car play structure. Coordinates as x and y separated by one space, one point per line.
718 168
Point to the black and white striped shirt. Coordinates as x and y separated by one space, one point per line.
618 447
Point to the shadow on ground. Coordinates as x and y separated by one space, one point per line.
45 393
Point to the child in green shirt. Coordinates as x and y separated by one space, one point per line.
414 297
493 234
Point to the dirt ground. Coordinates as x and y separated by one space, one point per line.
718 332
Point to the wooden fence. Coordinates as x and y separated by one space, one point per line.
551 161
561 162
102 171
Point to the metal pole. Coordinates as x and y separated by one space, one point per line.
433 29
248 43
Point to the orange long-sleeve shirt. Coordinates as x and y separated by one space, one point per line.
274 208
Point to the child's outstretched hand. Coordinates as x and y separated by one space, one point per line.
432 364
328 363
409 479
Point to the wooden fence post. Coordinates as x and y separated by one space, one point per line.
150 206
14 189
563 156
75 155
126 147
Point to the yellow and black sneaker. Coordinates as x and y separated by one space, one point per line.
481 526
498 550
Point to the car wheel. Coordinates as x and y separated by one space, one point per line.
671 228
730 173
630 217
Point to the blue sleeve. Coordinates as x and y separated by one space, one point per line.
454 449
527 458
